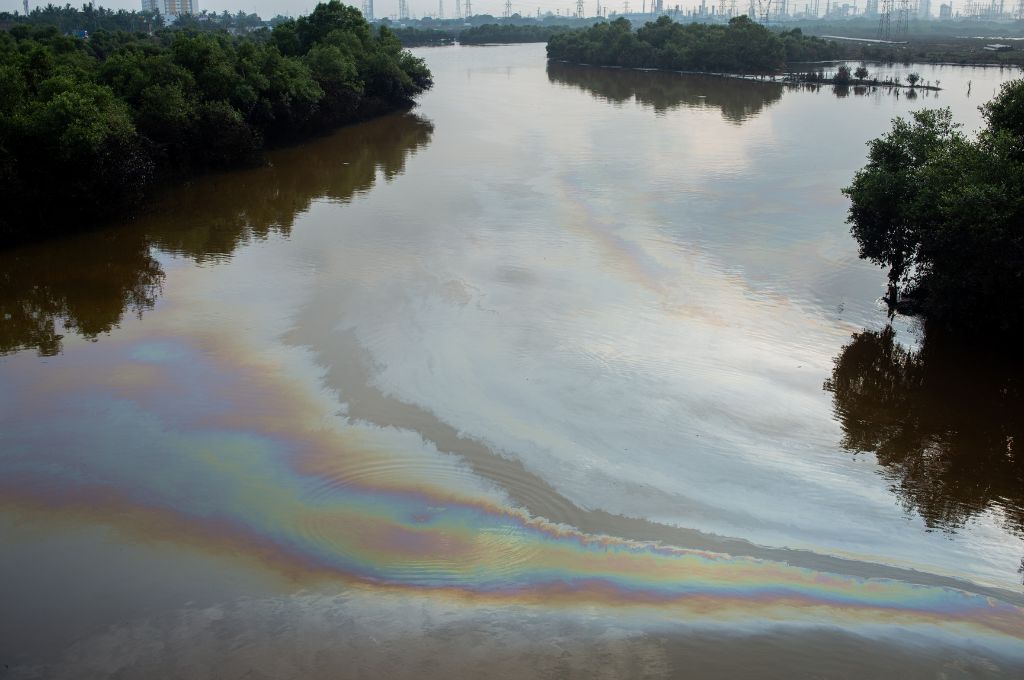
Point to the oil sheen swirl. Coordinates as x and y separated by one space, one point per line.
218 450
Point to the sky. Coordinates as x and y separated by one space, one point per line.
270 8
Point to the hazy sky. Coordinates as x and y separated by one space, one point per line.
269 8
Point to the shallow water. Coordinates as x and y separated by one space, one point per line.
570 371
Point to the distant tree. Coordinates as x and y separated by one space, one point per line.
913 78
508 33
861 73
741 46
842 76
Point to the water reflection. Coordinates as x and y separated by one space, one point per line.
945 425
83 285
86 284
211 219
662 91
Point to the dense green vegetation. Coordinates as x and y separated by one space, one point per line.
945 213
87 126
742 46
67 19
90 18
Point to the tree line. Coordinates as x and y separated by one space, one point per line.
66 18
742 46
509 33
423 37
944 212
478 35
88 126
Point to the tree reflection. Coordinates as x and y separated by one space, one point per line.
83 284
87 283
214 216
946 425
738 100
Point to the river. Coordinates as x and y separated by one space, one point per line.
568 372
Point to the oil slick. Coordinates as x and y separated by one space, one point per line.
217 451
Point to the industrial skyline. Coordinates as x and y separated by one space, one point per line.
398 9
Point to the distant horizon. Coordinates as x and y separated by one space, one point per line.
420 9
267 9
383 8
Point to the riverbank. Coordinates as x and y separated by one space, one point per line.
742 46
154 197
953 51
90 126
792 78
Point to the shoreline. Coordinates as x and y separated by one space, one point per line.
789 78
13 237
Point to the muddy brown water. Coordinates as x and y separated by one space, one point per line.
568 372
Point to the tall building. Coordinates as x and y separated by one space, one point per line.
871 8
170 8
946 12
924 10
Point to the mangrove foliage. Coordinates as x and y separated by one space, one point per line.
87 126
944 212
742 46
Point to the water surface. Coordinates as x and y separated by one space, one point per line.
568 371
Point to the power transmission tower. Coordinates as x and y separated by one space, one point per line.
440 9
732 8
885 19
469 8
625 7
508 9
903 17
458 9
763 9
579 9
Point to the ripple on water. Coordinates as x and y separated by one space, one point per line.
416 525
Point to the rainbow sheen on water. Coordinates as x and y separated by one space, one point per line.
423 398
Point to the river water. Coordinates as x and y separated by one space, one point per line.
569 372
